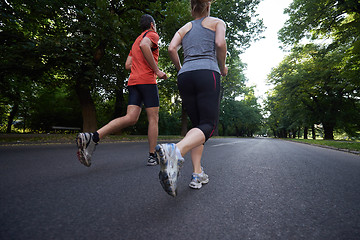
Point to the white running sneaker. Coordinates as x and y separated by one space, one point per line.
86 147
198 179
170 166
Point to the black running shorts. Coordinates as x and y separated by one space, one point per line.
147 94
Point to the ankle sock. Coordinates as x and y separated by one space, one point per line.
178 153
96 137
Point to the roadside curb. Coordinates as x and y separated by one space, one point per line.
328 147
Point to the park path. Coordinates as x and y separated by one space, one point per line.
259 189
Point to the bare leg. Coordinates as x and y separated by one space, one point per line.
194 138
131 117
153 131
196 154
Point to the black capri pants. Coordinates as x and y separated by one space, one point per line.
200 93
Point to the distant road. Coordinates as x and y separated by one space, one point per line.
259 188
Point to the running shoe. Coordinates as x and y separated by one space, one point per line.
198 179
170 166
153 160
86 147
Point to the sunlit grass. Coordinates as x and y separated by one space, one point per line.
350 145
70 138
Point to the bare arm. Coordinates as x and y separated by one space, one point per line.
174 46
220 44
145 46
128 63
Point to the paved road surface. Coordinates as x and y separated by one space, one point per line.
258 189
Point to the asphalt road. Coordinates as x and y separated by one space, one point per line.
259 189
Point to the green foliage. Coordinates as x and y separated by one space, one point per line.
233 85
51 49
318 83
312 88
319 18
239 18
240 118
4 110
175 15
53 107
169 123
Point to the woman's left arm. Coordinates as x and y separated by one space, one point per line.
220 44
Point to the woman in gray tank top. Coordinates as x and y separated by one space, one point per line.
204 45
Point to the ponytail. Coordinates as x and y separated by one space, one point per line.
199 6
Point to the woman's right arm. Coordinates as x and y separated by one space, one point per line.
173 50
220 44
175 44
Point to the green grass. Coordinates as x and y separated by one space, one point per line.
36 138
70 138
350 145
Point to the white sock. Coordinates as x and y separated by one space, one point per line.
178 153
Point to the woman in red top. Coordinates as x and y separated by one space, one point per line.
142 61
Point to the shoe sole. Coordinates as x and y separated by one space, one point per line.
152 164
80 152
164 173
200 185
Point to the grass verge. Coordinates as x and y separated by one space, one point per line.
345 145
6 139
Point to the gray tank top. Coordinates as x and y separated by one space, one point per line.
199 49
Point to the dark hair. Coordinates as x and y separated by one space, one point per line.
145 21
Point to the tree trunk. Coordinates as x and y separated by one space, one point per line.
11 117
223 129
306 133
328 132
183 122
299 133
25 119
119 102
87 108
313 132
237 131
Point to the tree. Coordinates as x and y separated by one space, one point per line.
83 44
238 117
311 88
70 39
317 83
338 19
241 29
